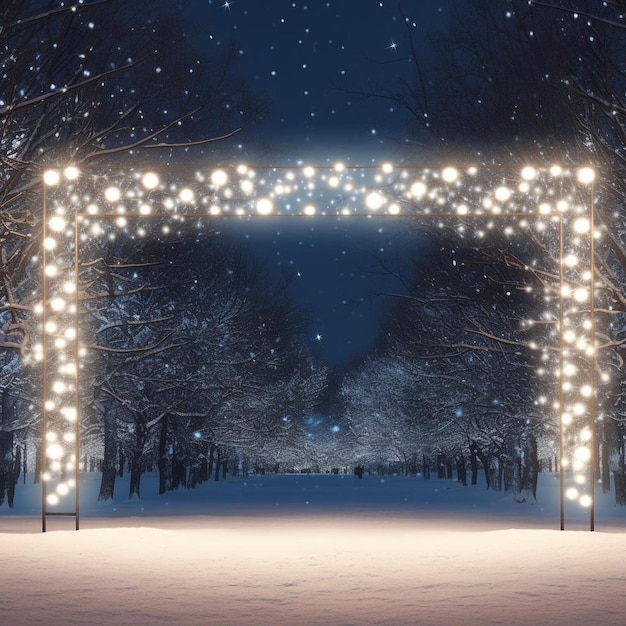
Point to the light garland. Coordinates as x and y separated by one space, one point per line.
79 206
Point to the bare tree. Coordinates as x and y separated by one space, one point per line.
89 84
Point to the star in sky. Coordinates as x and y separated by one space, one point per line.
318 337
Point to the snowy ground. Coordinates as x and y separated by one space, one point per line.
296 550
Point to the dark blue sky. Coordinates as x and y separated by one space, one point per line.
303 58
340 274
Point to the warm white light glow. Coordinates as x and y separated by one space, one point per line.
51 178
502 194
71 172
52 499
112 194
582 225
450 174
586 175
496 200
150 180
374 201
264 206
219 178
186 195
582 454
418 189
57 223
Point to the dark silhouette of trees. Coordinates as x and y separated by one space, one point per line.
87 83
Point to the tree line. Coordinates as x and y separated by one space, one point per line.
537 81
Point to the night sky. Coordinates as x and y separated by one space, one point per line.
304 59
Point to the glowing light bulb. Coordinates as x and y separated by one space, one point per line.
52 499
581 294
150 180
374 201
264 206
585 501
308 171
502 194
54 451
418 189
570 260
59 387
186 195
338 167
51 178
112 194
586 175
450 174
571 493
309 210
569 369
71 172
582 225
57 304
219 178
51 327
528 173
57 223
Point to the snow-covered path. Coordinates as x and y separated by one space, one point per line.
375 566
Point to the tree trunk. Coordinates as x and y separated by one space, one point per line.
121 461
163 458
203 475
6 462
107 482
461 469
484 459
473 465
619 480
211 459
426 466
441 466
495 473
137 457
218 463
530 475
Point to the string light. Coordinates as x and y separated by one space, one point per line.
512 199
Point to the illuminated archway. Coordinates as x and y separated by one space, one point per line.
533 201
